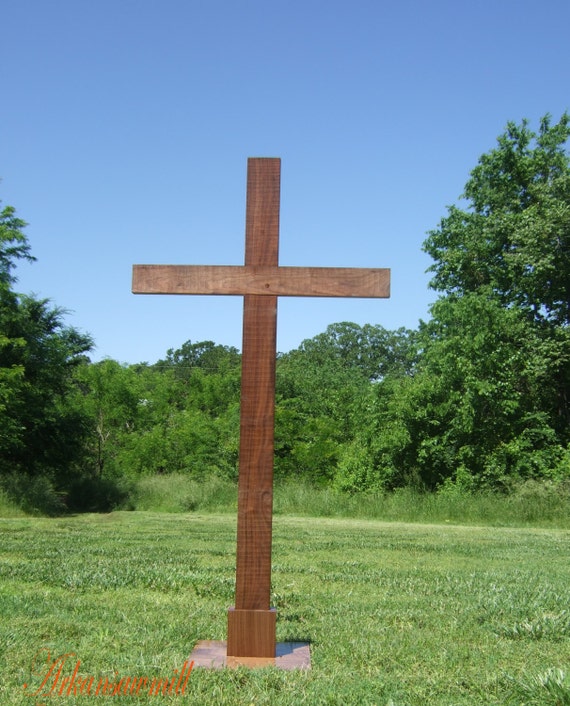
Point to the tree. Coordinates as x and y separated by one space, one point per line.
205 355
477 410
513 239
371 350
323 389
42 431
513 242
488 401
112 404
14 245
180 415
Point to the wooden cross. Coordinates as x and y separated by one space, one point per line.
251 623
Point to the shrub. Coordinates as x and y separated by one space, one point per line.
95 494
35 495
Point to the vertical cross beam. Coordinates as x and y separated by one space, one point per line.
251 623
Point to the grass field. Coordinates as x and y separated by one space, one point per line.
400 614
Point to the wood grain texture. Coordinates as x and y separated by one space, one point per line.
251 633
257 411
262 212
262 280
255 481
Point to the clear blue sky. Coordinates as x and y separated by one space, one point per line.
126 127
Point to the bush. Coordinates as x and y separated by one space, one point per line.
8 507
94 494
35 495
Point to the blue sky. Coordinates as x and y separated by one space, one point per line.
126 127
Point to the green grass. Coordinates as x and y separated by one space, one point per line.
532 504
396 613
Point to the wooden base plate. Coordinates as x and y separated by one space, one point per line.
212 654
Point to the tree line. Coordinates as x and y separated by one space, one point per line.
474 398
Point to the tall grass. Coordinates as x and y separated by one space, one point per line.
179 493
532 504
549 687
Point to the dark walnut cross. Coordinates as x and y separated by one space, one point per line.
251 623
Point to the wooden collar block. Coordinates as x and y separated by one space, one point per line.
251 633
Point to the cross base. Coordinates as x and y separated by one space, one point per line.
251 633
212 654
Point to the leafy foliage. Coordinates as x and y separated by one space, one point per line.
488 402
323 391
179 415
14 245
478 410
513 240
41 428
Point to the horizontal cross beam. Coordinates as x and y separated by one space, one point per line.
262 279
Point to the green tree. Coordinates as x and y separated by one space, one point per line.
178 415
371 350
14 245
488 401
476 411
113 403
513 238
42 431
513 242
323 391
207 376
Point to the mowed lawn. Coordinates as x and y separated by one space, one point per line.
398 614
